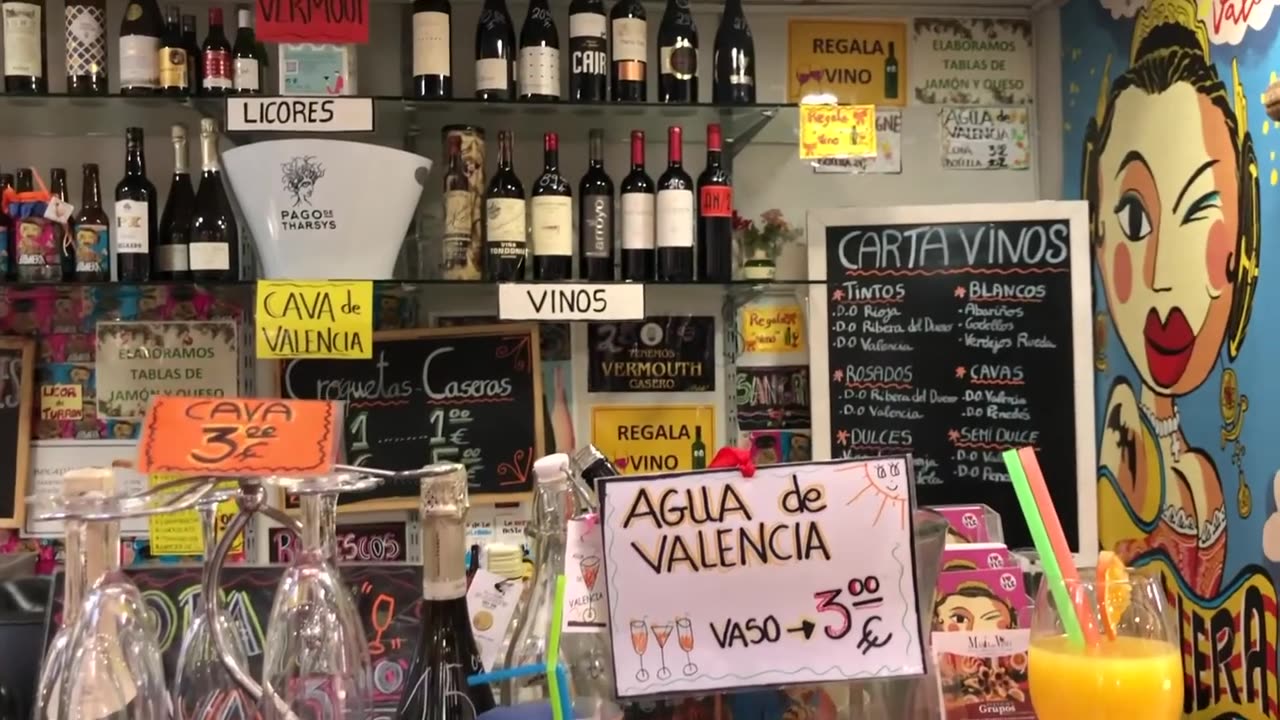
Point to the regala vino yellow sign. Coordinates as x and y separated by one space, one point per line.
850 62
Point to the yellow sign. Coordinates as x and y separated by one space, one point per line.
772 328
180 533
61 402
315 319
645 439
847 61
837 131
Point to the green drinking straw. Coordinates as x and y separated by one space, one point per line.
1048 560
559 703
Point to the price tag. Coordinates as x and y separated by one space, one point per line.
239 436
570 301
58 210
335 21
314 319
180 533
61 402
828 131
491 601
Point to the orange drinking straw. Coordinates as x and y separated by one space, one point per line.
1058 540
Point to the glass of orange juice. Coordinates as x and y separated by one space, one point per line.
1133 672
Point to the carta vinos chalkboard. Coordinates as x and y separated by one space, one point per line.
471 395
954 334
17 365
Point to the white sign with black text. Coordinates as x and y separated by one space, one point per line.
299 114
570 301
51 459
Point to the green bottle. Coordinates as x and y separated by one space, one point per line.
891 75
699 449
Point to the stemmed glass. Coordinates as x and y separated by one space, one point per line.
661 633
640 643
684 633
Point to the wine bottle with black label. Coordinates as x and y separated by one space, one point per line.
539 54
171 256
715 214
432 50
495 52
675 215
551 216
629 63
595 215
86 47
215 240
135 213
505 223
735 59
588 51
637 205
678 54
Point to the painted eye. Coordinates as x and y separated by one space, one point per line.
1133 218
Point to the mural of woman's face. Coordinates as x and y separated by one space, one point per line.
1168 207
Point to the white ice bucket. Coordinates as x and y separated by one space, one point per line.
326 209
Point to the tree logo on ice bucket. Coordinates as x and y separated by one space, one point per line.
299 179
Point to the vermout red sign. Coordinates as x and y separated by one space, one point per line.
312 21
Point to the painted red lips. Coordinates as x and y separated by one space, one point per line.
1169 345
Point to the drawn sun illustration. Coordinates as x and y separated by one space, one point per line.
887 481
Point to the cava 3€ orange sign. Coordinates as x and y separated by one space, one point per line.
837 131
232 437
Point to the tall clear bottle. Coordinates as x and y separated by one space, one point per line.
585 655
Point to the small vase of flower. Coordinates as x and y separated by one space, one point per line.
760 244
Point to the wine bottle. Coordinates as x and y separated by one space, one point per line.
172 255
86 56
891 74
192 46
458 213
140 33
215 242
675 215
29 247
588 51
506 231
436 687
432 54
135 213
539 54
629 65
173 56
698 450
715 215
91 232
59 192
595 219
215 58
495 53
551 215
24 47
735 58
247 75
637 216
678 54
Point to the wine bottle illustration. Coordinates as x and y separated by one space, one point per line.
698 449
891 75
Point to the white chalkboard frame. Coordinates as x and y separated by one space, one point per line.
1075 212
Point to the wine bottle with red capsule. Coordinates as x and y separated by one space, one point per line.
675 215
715 214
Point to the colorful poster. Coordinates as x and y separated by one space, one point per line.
136 360
772 397
772 326
645 439
888 157
985 138
972 61
1165 135
659 354
850 62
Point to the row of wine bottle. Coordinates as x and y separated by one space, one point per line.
671 231
158 54
195 237
605 53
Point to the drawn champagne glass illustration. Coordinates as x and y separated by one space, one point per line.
684 633
661 633
640 643
590 567
384 608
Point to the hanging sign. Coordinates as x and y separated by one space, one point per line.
299 114
570 301
333 21
315 319
837 131
239 436
816 557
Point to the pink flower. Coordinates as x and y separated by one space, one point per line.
772 217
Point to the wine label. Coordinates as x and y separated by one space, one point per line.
431 43
209 256
86 40
679 60
540 71
217 69
132 230
715 201
246 78
506 227
630 40
596 227
552 224
92 245
588 53
457 229
173 258
22 32
173 67
675 218
637 221
139 61
492 74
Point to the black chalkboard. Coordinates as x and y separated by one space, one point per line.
953 341
17 367
388 601
469 394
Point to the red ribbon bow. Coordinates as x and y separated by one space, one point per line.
732 457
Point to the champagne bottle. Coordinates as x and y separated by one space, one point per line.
437 687
172 256
215 240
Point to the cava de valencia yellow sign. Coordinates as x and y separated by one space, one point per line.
849 62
